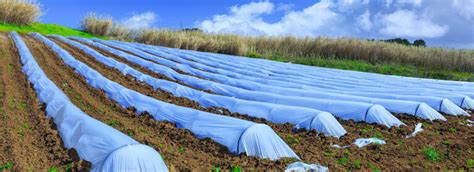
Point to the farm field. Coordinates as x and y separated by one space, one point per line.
174 100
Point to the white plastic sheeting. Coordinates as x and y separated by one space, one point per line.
237 135
306 118
418 109
94 141
417 130
362 77
321 78
362 142
303 167
370 113
441 104
324 80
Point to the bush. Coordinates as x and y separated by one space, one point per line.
19 12
97 25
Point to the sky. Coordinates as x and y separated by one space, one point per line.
441 23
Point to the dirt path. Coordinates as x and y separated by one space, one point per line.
180 148
29 140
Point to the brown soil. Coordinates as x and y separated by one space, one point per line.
181 150
454 148
28 139
179 147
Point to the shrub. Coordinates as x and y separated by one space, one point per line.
19 12
97 25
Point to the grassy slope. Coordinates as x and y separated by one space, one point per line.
45 29
401 70
390 69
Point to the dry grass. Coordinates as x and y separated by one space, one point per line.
97 25
19 12
301 49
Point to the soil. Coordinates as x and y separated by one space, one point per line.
179 147
29 140
451 141
449 144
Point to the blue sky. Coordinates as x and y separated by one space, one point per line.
442 23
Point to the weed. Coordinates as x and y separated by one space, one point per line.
181 149
452 130
357 164
288 160
374 168
347 152
470 163
216 169
68 167
445 142
236 169
378 136
26 126
431 154
112 123
130 133
10 67
342 160
366 130
6 166
163 157
53 169
22 106
291 139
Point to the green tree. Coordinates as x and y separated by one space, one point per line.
419 42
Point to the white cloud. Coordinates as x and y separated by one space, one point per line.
465 8
439 22
364 22
416 3
345 4
406 23
143 20
247 19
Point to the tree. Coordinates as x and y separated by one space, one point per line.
419 42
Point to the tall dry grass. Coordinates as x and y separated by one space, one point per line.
300 49
19 12
97 25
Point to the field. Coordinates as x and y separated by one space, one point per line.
30 140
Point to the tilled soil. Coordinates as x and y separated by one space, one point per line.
29 140
451 141
180 149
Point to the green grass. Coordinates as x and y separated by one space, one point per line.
46 29
362 66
